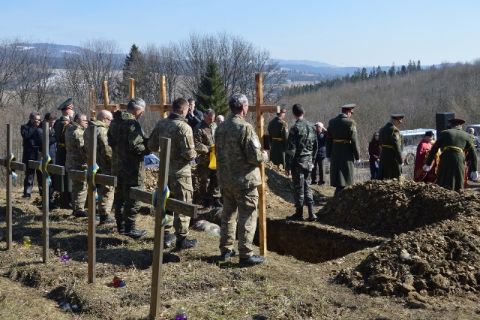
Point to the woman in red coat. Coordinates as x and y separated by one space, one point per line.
423 149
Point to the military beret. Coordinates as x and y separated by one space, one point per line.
348 107
64 118
456 121
429 133
65 104
397 116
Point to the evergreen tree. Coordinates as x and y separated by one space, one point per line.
418 66
391 71
211 91
131 68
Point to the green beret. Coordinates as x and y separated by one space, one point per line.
65 104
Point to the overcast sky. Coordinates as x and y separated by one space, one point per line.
340 32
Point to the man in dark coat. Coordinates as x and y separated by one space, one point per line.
342 148
321 154
278 134
457 147
194 116
391 142
301 152
32 143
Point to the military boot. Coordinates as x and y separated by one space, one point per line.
133 232
311 216
184 243
297 216
121 227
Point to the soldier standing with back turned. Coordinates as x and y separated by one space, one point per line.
278 135
301 153
391 154
342 148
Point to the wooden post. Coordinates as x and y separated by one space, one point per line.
163 107
93 103
92 179
106 98
46 169
131 88
10 165
177 206
260 109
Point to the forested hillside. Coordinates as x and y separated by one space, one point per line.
454 88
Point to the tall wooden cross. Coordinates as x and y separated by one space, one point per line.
161 203
46 169
260 109
106 105
162 107
10 164
93 179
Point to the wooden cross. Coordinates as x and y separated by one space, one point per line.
177 206
10 165
112 107
162 107
260 109
93 179
46 169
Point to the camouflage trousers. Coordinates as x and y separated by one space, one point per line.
302 194
105 199
79 195
246 202
181 188
208 185
125 207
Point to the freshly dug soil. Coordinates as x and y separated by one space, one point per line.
386 208
440 259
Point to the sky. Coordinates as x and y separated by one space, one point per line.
338 32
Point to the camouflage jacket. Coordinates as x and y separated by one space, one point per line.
126 137
239 154
75 146
302 145
104 151
204 137
182 147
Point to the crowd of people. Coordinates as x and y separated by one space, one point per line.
224 154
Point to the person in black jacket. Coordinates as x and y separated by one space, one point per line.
194 116
32 142
321 154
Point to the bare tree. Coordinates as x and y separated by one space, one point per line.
12 58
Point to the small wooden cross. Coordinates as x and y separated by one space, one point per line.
260 109
11 165
159 200
93 179
46 169
162 107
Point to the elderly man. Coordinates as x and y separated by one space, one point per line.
391 156
125 136
104 162
321 154
278 134
239 155
194 116
182 153
457 147
61 184
32 143
342 148
219 119
204 145
77 160
301 153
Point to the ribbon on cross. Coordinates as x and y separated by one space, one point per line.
93 172
164 199
43 167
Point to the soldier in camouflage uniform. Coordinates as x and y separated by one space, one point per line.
61 184
278 135
77 160
342 148
126 137
239 155
204 143
301 153
104 162
182 152
391 155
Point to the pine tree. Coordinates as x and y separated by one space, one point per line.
130 67
211 92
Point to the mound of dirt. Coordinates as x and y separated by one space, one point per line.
387 208
439 259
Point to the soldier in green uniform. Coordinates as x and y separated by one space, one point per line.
457 147
391 155
182 152
61 184
342 148
77 160
239 155
204 137
301 153
278 134
126 137
104 162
